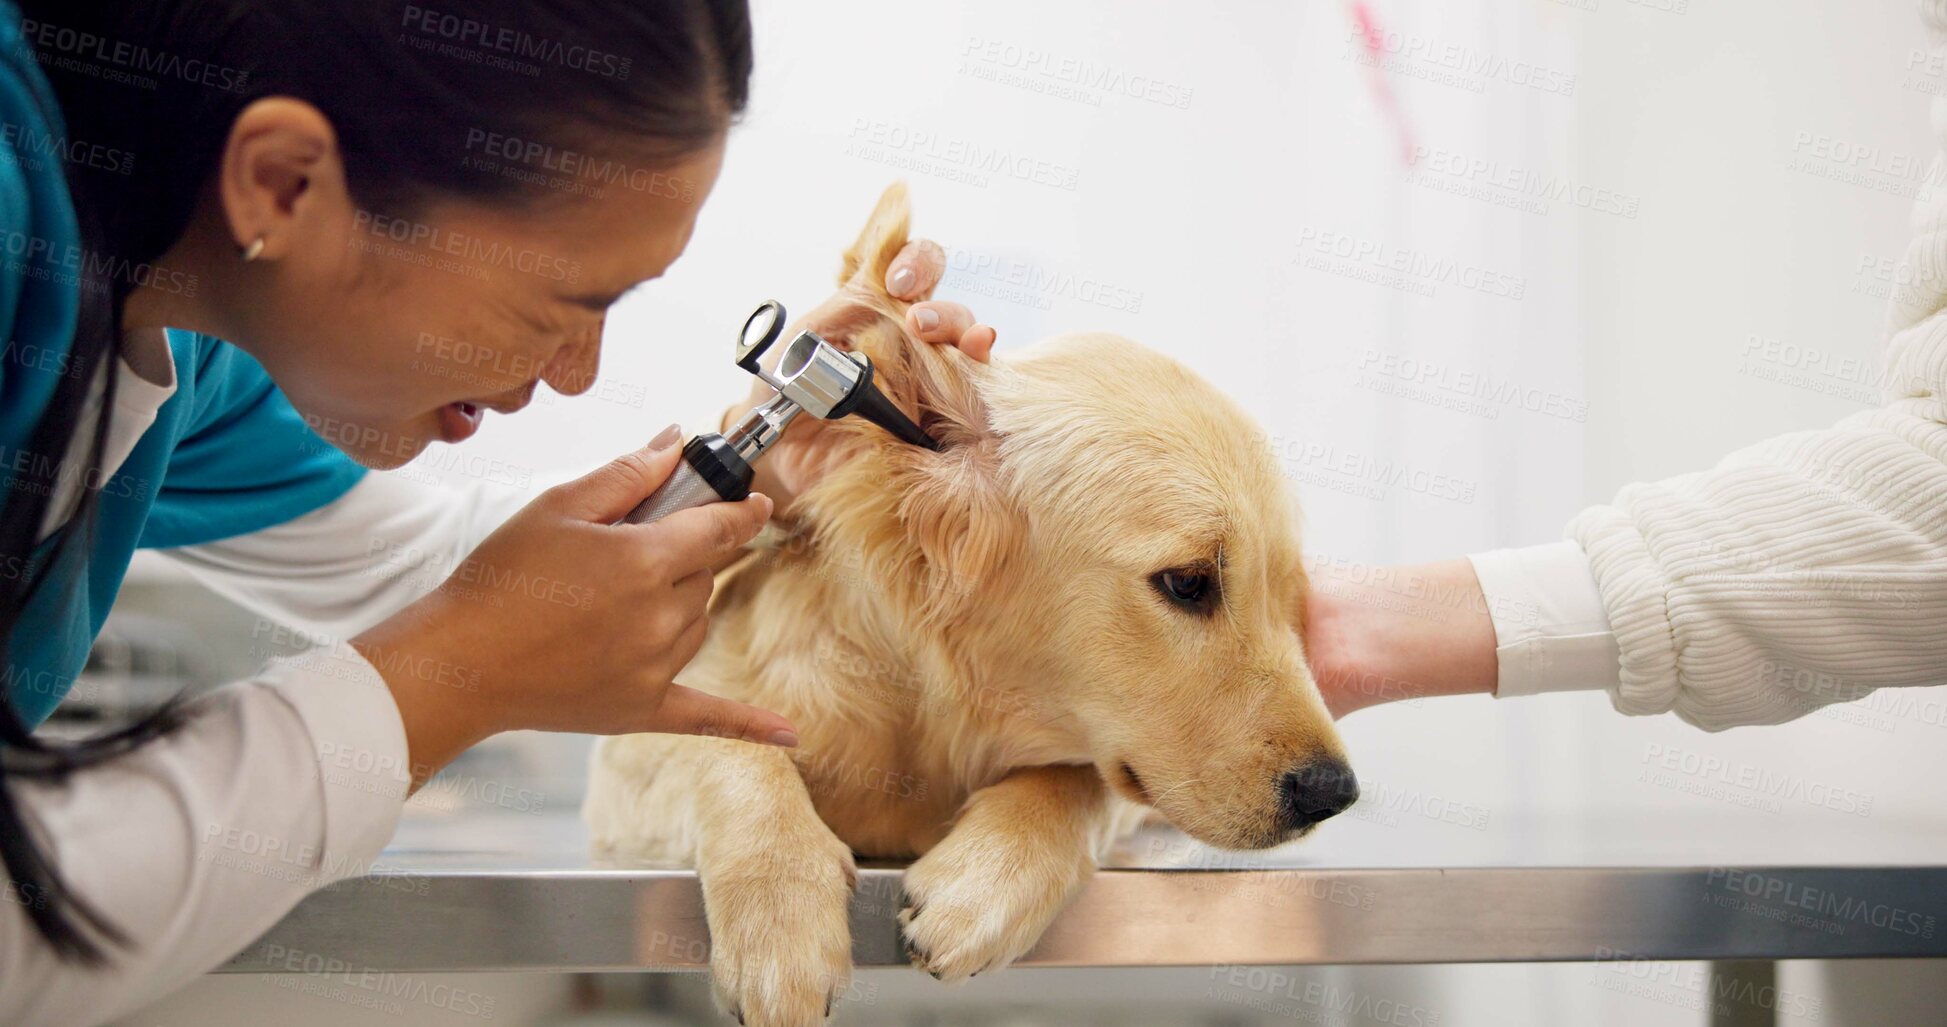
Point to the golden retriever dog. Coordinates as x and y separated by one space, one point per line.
999 659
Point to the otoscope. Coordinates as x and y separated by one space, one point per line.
813 375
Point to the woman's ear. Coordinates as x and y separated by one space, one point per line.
280 168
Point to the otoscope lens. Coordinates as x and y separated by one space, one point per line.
761 329
799 356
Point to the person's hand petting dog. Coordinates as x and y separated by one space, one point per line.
793 464
1369 644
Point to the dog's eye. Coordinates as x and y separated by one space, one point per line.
1192 588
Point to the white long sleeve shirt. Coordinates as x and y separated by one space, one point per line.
1802 571
195 845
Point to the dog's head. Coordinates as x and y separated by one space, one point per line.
1104 542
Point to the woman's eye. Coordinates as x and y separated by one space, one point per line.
1191 588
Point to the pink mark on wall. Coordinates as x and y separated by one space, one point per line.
1382 90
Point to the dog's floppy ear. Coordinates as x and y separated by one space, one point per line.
884 235
941 522
953 505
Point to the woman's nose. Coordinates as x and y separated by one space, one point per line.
573 369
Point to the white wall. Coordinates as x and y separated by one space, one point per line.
1746 258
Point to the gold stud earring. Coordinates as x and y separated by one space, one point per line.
254 250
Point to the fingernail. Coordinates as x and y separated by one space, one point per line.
900 281
785 739
666 438
769 504
926 318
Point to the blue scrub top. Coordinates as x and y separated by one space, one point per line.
227 454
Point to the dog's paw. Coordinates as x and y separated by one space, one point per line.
780 934
981 899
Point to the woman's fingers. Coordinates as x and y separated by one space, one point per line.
694 591
917 269
912 276
686 711
605 494
939 321
951 324
978 342
694 540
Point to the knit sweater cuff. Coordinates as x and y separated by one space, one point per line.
1635 595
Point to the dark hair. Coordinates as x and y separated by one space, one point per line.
414 92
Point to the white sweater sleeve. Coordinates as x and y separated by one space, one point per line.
352 563
1805 570
195 845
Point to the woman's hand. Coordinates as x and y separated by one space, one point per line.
1391 633
794 463
912 276
563 620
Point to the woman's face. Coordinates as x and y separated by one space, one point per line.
390 333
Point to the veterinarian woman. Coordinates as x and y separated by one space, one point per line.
398 218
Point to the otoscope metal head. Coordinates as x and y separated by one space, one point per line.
811 375
821 379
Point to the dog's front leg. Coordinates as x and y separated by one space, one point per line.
777 886
1020 849
777 883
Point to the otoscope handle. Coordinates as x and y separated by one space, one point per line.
712 471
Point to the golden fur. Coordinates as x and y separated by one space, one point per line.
980 669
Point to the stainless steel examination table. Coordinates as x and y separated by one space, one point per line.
480 892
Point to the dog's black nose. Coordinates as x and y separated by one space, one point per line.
1316 791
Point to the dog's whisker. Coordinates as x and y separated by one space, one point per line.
1157 800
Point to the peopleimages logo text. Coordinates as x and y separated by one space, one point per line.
56 43
515 42
473 250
